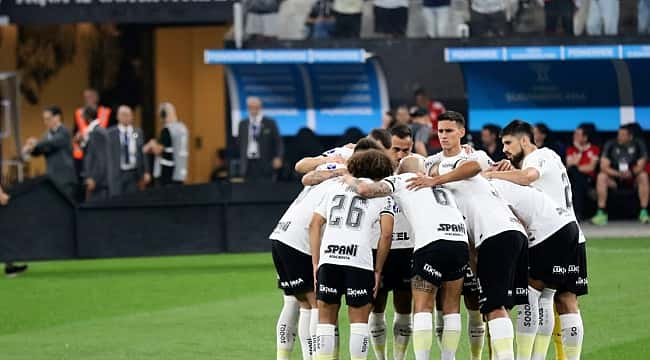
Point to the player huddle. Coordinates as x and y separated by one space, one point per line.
374 218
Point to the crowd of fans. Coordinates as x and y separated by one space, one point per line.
98 160
437 18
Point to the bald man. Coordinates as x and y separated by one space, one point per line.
260 144
129 166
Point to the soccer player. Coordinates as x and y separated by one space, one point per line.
498 236
544 170
441 252
291 252
342 253
552 233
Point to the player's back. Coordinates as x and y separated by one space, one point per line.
293 227
432 212
486 213
351 226
553 179
540 214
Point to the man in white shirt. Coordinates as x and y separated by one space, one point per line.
129 166
544 170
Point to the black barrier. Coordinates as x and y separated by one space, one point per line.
40 222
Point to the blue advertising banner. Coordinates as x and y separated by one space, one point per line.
285 56
560 94
326 98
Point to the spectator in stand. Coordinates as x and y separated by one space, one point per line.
388 120
643 18
96 158
403 115
435 108
436 16
171 150
561 11
347 15
490 142
488 18
603 17
261 19
622 165
421 130
581 162
544 138
391 17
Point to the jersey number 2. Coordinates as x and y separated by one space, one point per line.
354 215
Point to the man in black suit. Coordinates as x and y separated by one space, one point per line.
129 166
260 144
56 146
96 170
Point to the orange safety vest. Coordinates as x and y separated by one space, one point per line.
103 114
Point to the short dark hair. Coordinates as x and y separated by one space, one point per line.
541 127
381 135
402 131
517 128
371 164
492 129
454 116
420 92
54 110
588 129
366 144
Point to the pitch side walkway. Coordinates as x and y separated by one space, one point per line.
616 229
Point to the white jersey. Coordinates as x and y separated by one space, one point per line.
344 152
486 213
541 216
351 226
432 212
553 179
293 228
478 155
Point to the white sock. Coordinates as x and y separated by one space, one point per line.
285 329
304 335
402 329
572 333
439 326
313 325
377 326
450 336
546 324
527 324
476 333
325 343
359 341
501 336
422 335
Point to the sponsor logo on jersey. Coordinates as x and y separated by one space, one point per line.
357 292
282 226
401 236
431 270
327 290
342 250
457 228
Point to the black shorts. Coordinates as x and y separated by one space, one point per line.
336 280
560 261
391 21
397 271
294 268
503 271
440 261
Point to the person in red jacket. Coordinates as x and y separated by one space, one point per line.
435 108
581 162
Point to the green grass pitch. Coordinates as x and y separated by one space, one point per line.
225 307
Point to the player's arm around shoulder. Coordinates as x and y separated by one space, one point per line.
368 189
523 177
316 177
